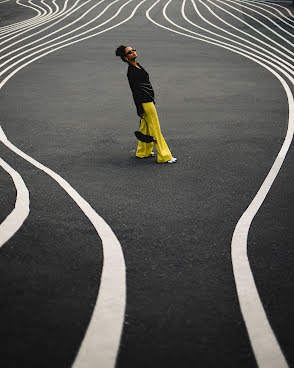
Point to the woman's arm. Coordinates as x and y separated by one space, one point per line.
136 92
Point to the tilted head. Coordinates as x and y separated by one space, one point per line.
126 53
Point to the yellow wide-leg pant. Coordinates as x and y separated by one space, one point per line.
150 126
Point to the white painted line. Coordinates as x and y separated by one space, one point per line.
39 6
264 8
284 64
241 2
266 44
274 58
67 44
290 65
23 23
275 5
21 210
265 346
65 34
103 336
100 345
63 15
14 28
253 28
33 24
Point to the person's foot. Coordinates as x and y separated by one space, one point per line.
152 154
172 160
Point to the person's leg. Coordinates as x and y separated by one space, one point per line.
150 114
144 149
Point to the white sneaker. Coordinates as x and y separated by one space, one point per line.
172 160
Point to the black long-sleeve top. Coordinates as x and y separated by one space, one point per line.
140 86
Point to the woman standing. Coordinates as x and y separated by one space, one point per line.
143 95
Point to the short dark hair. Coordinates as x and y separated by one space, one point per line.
120 51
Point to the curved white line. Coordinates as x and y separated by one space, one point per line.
63 15
248 25
108 315
253 3
101 342
266 17
39 7
243 39
49 7
18 29
243 32
274 58
266 349
256 20
9 27
67 44
32 25
21 210
277 5
66 14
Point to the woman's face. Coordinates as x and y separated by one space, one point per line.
130 53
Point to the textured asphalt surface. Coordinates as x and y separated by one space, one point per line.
224 117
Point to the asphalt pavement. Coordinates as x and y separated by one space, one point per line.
224 117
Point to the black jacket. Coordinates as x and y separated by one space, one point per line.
140 86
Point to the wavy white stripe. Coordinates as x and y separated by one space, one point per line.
101 342
32 25
265 346
253 28
10 27
66 44
288 66
63 15
260 22
17 216
35 22
112 292
253 3
66 14
275 5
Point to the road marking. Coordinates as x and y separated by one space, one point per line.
69 43
275 5
240 3
63 14
256 30
101 342
66 14
275 58
17 216
265 346
9 27
253 3
103 336
35 23
290 65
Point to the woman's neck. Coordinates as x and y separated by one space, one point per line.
133 63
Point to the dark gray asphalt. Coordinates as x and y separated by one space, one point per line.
224 117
